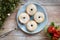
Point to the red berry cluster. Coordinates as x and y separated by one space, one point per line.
55 33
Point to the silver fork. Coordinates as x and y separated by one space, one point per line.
5 34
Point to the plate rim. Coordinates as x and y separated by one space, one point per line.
41 7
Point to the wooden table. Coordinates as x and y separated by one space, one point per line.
53 12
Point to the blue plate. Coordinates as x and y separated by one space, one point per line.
40 26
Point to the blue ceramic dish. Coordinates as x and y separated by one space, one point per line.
40 26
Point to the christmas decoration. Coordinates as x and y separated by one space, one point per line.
6 7
8 14
53 31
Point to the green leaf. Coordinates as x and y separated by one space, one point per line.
52 24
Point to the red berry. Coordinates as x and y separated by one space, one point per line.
51 29
58 32
56 35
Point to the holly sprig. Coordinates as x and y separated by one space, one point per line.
52 31
6 6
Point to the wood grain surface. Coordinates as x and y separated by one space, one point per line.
53 13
